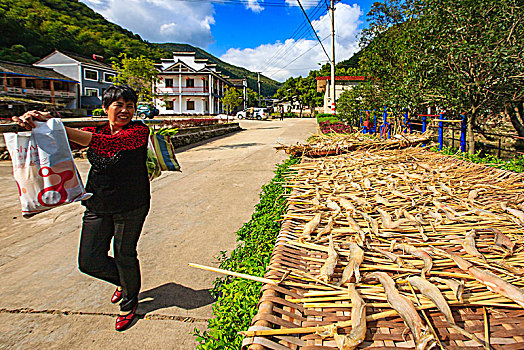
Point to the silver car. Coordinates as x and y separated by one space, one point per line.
254 113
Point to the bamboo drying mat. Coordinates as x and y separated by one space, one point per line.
322 145
279 306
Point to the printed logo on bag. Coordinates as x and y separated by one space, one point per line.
49 185
21 154
43 196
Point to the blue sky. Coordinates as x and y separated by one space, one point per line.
271 36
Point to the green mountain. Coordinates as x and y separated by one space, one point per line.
31 29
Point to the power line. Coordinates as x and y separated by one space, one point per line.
296 58
246 2
282 50
314 31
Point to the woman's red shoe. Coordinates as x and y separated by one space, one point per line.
122 322
117 296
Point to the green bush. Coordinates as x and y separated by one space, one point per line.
99 112
323 117
516 164
237 298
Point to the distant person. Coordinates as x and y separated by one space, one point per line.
120 203
281 113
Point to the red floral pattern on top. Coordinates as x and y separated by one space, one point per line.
133 136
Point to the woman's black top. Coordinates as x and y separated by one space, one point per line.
118 177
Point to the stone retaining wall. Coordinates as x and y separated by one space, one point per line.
195 134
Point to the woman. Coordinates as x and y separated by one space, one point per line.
118 208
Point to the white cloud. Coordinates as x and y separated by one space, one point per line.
297 57
161 20
254 6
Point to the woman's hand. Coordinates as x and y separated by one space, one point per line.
27 119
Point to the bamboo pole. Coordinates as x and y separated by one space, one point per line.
234 274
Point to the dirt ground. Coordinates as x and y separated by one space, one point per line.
46 303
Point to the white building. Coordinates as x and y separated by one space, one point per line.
342 83
93 74
190 86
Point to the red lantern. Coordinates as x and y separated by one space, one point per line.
188 99
174 98
203 98
187 78
203 78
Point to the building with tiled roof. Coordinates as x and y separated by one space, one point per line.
93 74
343 83
24 86
190 86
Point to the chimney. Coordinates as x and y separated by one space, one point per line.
98 58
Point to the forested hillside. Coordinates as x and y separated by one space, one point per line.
32 29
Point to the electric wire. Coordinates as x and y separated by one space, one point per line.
246 3
279 54
296 58
314 31
282 51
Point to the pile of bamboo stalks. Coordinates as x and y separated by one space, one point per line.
332 144
402 232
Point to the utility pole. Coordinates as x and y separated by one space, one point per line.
244 92
258 81
332 93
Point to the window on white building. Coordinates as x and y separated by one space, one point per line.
170 105
190 105
109 78
90 74
90 92
169 83
190 83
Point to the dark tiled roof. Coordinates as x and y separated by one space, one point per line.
32 71
344 77
87 60
82 59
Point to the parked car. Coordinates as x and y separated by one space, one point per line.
147 111
254 113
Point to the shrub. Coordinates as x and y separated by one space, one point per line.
516 164
187 123
237 298
323 117
327 127
99 112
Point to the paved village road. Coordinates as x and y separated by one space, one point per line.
46 303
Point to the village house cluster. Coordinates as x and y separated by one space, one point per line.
187 85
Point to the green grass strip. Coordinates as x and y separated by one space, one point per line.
515 164
237 298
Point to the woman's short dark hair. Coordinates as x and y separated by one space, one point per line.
115 92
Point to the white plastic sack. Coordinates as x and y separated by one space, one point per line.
43 167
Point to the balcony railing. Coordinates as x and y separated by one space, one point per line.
37 92
175 90
14 90
65 94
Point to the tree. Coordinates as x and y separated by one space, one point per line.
252 98
231 99
479 47
140 73
462 55
301 91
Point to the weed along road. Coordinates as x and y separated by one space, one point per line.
46 303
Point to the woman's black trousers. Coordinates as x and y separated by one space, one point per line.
123 269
